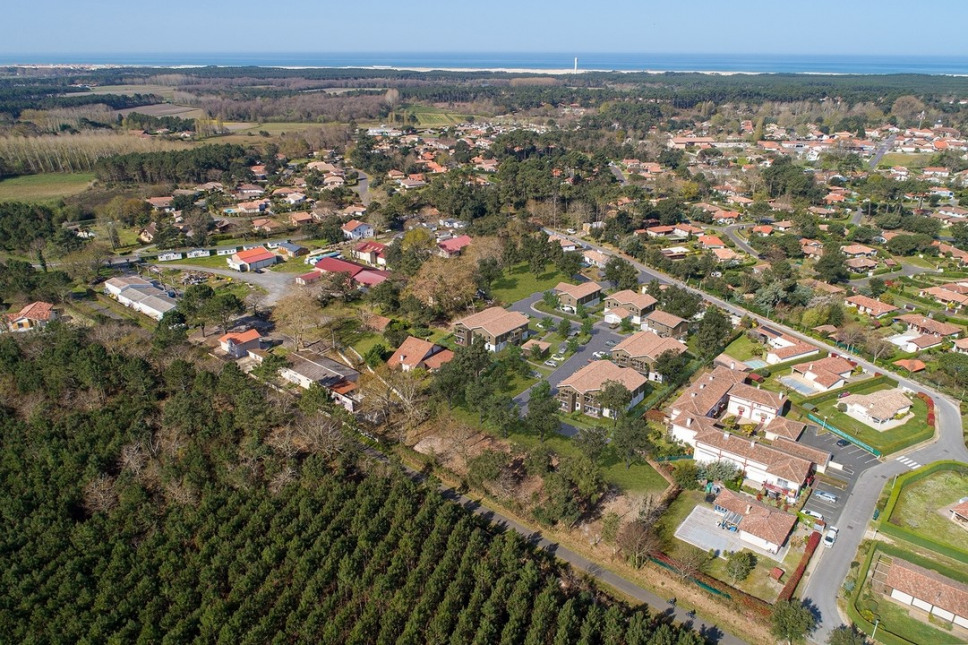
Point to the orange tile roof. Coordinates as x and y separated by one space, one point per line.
929 586
758 520
628 297
649 344
241 337
592 377
578 291
411 352
254 255
34 311
496 321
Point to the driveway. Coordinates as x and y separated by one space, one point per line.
823 584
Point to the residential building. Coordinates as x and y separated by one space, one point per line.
877 409
779 472
754 404
635 304
357 230
946 296
959 513
238 344
760 525
570 296
869 306
666 325
701 402
710 242
373 253
495 325
291 250
929 326
783 428
825 374
454 246
36 315
858 250
307 368
595 258
929 591
141 295
252 259
416 353
580 391
641 350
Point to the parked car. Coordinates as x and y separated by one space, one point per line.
842 443
610 343
830 536
601 354
551 363
843 394
825 496
815 515
557 357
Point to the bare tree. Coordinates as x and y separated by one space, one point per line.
298 314
637 541
878 346
99 494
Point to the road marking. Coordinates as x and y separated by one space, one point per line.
910 463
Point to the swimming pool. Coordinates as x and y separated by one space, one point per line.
797 385
755 363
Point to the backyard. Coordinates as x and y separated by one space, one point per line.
744 348
519 282
922 507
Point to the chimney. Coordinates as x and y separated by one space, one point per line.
693 394
702 386
732 365
782 395
752 443
689 422
749 507
757 386
725 434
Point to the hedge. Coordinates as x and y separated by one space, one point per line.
886 526
768 370
791 585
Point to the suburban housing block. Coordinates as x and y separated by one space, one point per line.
570 296
579 392
641 350
495 325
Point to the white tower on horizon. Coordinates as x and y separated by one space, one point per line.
576 64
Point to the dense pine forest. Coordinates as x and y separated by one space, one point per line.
147 500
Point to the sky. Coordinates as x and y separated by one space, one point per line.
855 27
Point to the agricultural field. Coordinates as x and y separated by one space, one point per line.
922 507
167 92
432 117
248 133
48 187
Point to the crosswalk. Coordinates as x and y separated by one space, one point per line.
910 463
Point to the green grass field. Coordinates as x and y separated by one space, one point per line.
167 92
743 348
44 188
431 117
892 159
919 507
519 282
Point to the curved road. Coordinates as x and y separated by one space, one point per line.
827 577
738 241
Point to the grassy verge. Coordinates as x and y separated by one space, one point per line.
44 188
744 348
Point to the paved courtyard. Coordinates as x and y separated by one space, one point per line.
700 530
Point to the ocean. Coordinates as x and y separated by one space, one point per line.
721 63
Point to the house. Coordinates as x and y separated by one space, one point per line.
36 315
946 296
291 250
264 225
753 403
725 217
779 472
147 234
826 374
300 218
416 353
641 350
869 306
685 230
783 428
495 325
580 391
570 296
666 325
636 305
566 245
357 230
710 242
307 368
959 513
877 409
760 525
373 253
920 343
360 275
294 198
726 255
249 190
910 364
929 326
454 246
252 259
861 265
791 349
858 251
529 347
595 258
165 204
762 230
238 344
928 590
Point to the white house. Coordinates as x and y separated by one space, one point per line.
238 344
928 591
776 470
878 409
758 524
754 404
252 259
826 374
357 230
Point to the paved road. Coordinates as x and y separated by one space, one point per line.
363 188
905 270
740 242
824 583
857 216
882 150
618 174
601 336
276 283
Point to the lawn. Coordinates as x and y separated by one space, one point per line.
44 188
918 507
294 266
905 159
211 262
887 441
744 348
431 117
519 282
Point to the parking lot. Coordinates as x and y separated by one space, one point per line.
839 483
